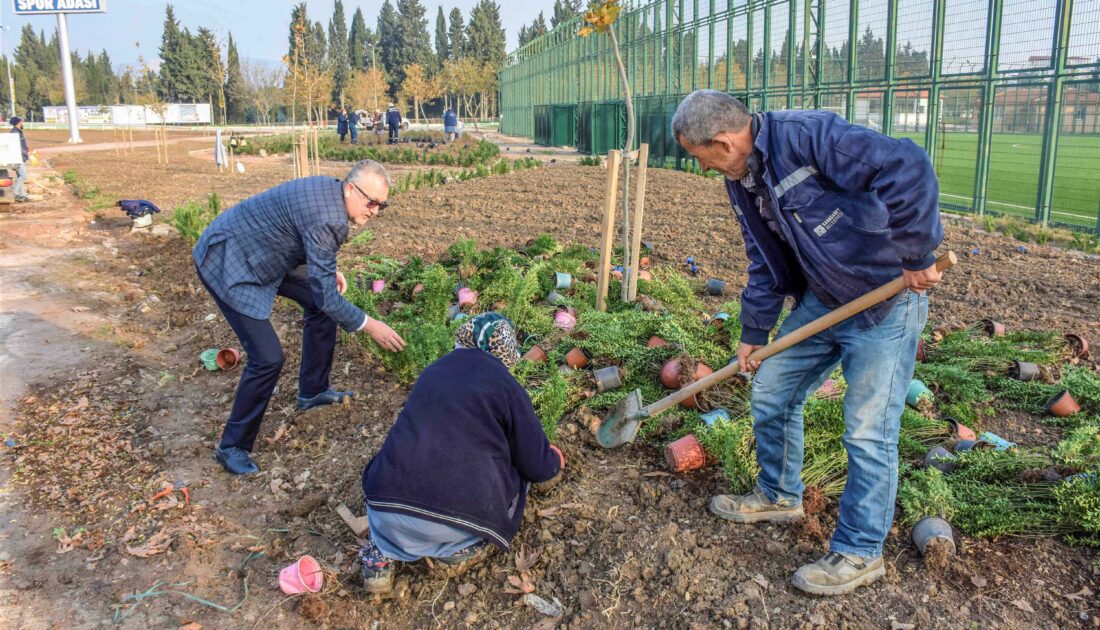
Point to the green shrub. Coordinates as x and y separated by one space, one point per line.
191 219
925 493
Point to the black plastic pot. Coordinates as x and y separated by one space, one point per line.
940 458
1023 371
933 528
715 286
607 378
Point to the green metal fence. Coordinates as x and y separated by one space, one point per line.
1003 94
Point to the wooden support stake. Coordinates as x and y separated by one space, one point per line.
357 524
607 227
639 214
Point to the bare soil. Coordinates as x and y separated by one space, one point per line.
108 401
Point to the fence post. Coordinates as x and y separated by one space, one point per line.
989 95
1045 194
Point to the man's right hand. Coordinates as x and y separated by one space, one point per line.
743 352
384 335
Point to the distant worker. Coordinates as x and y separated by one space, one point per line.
353 126
393 123
342 124
451 479
450 125
829 211
284 242
378 123
19 189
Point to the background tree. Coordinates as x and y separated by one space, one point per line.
485 39
442 45
213 82
265 89
387 37
419 88
361 43
564 10
413 44
368 89
338 56
456 35
237 94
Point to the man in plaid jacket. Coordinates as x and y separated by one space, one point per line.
284 242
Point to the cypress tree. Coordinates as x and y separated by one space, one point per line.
456 34
338 52
387 37
236 89
442 46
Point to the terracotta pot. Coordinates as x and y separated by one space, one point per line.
685 454
607 378
960 430
701 370
1078 345
655 342
535 355
1062 404
1023 371
921 354
577 358
993 328
227 358
670 373
643 262
615 273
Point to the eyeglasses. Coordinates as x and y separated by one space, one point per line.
371 201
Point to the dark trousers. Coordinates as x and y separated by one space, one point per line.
342 137
265 358
393 134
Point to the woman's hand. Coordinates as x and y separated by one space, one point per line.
341 283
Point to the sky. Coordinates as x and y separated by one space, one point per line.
132 28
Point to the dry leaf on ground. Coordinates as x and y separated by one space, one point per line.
157 543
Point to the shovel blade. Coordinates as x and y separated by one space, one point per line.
622 424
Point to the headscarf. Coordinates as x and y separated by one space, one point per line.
491 332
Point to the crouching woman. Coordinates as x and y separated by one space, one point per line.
451 478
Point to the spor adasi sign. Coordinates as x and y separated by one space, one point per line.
35 7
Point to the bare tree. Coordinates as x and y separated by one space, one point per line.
264 83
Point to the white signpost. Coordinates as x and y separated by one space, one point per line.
61 7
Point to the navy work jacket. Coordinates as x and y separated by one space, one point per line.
855 207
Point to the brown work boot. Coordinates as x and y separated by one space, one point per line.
752 508
838 573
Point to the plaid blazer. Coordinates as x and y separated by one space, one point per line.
247 250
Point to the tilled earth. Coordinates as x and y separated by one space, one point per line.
619 543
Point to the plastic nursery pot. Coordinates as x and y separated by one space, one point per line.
565 320
940 458
670 373
655 342
555 298
932 528
719 318
644 262
963 446
535 355
1062 404
1023 371
715 416
960 430
993 328
607 378
466 297
921 354
645 275
453 311
227 358
617 274
715 286
210 359
917 392
685 454
998 443
1078 346
701 370
304 576
418 288
577 358
378 286
828 389
562 280
461 317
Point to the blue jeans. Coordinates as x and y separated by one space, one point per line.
878 365
18 188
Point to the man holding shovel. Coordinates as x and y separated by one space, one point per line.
829 211
284 242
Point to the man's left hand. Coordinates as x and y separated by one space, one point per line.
918 281
341 283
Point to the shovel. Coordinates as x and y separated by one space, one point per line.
622 425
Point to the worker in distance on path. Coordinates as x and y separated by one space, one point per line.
284 242
829 211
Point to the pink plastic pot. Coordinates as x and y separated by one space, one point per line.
378 286
228 358
304 576
467 296
685 454
565 320
656 342
418 288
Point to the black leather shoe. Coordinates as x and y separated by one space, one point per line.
324 398
236 461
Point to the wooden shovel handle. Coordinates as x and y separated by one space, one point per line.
858 305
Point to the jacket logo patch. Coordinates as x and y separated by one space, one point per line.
829 222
